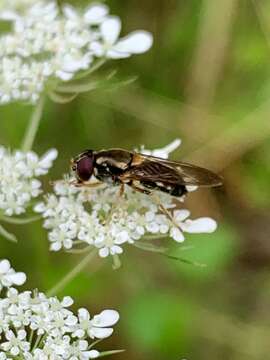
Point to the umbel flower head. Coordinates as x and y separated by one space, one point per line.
34 326
48 45
100 218
18 178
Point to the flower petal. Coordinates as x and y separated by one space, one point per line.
83 314
93 354
201 225
18 278
114 54
4 266
176 234
100 333
110 29
70 12
105 318
95 13
9 15
191 188
67 301
136 42
48 158
166 150
180 215
104 252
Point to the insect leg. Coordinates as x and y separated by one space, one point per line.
136 188
85 184
164 210
121 190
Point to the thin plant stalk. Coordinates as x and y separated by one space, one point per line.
72 274
33 126
7 234
19 221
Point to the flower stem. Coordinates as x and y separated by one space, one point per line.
19 221
33 125
112 352
7 234
72 274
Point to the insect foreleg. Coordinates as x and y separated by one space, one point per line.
86 184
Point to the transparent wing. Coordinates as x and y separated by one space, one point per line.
150 168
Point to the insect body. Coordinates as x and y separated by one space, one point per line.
143 173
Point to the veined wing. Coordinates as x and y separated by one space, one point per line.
153 169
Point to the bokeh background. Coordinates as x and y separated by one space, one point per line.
207 81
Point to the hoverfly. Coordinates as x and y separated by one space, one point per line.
144 173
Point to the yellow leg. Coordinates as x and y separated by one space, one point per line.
85 184
121 190
164 210
143 191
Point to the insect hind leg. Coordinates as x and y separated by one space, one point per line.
164 210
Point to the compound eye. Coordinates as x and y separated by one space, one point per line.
85 167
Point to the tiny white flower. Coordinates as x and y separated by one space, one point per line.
135 43
8 276
99 327
15 344
18 183
63 335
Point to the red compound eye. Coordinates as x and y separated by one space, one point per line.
85 167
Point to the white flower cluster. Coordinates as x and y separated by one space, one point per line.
18 178
36 327
48 43
101 218
15 5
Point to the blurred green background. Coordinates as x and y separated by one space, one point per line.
207 81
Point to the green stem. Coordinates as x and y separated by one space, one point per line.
79 251
112 352
37 341
72 274
19 221
33 125
7 234
92 69
31 337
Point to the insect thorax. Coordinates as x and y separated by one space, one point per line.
109 165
